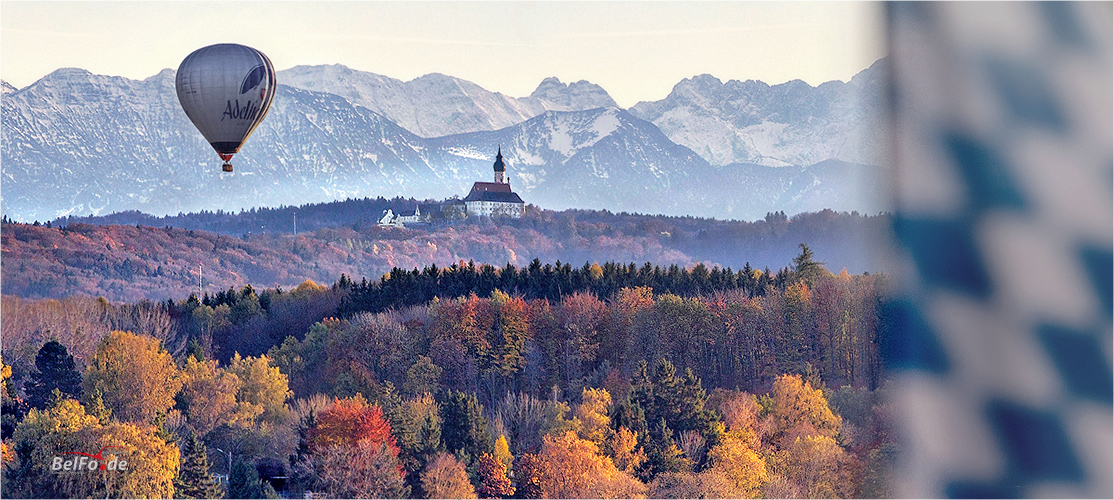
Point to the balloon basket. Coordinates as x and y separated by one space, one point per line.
227 167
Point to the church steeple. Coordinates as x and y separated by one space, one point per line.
500 167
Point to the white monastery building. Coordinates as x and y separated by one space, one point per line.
495 199
488 199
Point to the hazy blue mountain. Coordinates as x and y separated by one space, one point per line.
78 143
833 184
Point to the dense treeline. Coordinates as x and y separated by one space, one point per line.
802 313
400 288
157 261
734 337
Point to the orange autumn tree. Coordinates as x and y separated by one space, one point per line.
574 468
349 421
445 477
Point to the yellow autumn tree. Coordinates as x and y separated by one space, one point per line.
262 385
740 464
595 271
800 410
209 395
707 484
502 452
136 376
623 449
155 461
806 460
595 425
152 462
37 439
813 467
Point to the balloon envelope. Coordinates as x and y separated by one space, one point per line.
226 90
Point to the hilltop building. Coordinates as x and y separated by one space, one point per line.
495 199
488 199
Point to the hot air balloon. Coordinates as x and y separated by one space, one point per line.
226 90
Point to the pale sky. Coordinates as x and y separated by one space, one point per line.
637 51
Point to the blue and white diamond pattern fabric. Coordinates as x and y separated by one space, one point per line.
1003 150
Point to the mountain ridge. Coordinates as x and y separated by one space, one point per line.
113 144
436 105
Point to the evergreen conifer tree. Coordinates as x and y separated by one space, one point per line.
662 453
805 267
464 426
269 491
243 482
55 370
194 480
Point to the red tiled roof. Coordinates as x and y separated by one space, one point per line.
490 196
491 187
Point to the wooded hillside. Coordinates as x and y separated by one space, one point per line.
135 262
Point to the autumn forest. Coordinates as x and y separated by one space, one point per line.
447 378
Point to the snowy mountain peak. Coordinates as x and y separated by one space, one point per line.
440 79
872 76
549 83
68 73
6 88
76 82
165 74
570 97
703 79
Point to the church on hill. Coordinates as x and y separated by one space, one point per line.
495 199
489 199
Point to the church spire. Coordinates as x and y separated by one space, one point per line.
499 166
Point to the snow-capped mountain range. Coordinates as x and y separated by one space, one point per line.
788 124
437 105
79 143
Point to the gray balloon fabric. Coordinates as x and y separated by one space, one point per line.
226 90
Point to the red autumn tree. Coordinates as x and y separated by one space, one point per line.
494 482
352 452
